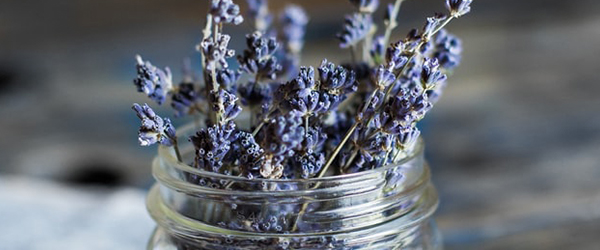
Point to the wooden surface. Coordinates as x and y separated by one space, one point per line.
514 143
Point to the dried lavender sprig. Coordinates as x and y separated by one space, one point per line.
152 81
155 129
458 7
281 136
356 28
225 11
184 99
258 58
215 51
294 21
355 125
390 20
212 145
259 10
447 49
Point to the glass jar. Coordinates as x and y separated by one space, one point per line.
385 208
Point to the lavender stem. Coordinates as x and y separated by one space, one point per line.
392 22
346 137
352 54
263 122
176 148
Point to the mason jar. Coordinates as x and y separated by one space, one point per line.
384 208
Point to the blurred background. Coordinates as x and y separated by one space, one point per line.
514 144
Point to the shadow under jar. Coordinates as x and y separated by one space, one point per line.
385 208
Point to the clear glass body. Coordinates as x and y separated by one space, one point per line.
385 208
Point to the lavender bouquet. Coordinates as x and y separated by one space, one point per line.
270 118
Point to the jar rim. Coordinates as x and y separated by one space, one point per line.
165 153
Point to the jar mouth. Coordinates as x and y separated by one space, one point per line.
166 154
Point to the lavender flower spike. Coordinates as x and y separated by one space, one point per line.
431 74
259 10
154 129
458 7
294 21
212 145
356 27
184 99
447 50
153 81
216 51
225 11
258 58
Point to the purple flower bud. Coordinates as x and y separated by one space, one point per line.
367 6
250 154
356 27
212 145
431 74
432 23
258 58
216 51
226 78
307 165
305 79
255 94
152 81
337 82
413 39
447 50
397 55
408 137
458 7
383 77
433 95
283 134
225 11
378 49
406 109
311 102
153 129
184 99
225 103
